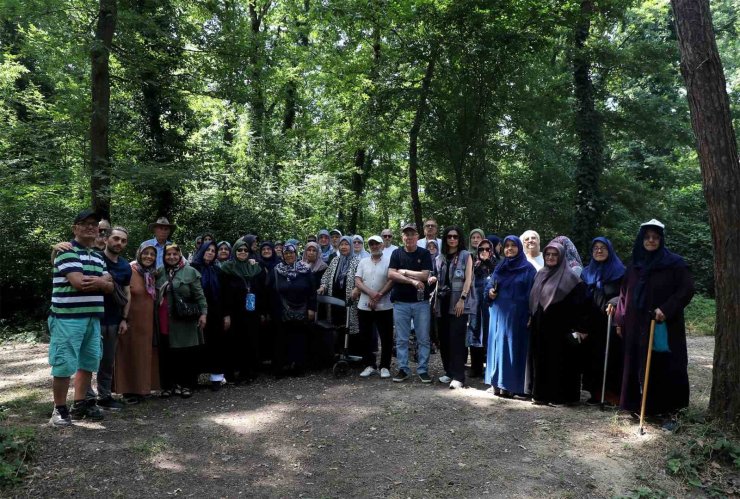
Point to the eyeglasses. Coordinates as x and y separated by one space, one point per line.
241 250
552 255
599 249
387 236
87 225
453 236
103 232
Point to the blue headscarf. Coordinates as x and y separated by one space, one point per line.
597 273
646 261
208 271
507 270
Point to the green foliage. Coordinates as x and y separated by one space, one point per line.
705 456
700 316
17 448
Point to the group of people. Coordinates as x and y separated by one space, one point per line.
532 322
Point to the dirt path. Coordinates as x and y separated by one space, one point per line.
322 437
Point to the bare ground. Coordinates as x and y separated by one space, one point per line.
319 436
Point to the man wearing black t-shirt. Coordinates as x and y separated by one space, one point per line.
409 270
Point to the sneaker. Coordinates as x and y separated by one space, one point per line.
455 384
86 409
110 404
445 379
60 418
385 373
425 378
369 371
400 376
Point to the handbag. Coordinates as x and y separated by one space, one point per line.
183 309
119 297
660 338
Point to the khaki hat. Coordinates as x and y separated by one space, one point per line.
163 222
409 226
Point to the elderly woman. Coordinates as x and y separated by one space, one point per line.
454 305
531 242
136 368
497 247
603 278
294 306
572 258
559 307
339 281
507 293
267 257
217 347
245 301
180 327
278 249
313 260
658 285
325 248
474 239
358 247
478 325
223 252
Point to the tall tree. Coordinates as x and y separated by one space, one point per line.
100 166
711 120
590 136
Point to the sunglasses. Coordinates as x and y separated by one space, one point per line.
356 242
486 249
453 236
551 255
387 236
241 250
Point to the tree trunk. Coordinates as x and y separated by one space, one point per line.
100 167
590 137
359 175
701 68
421 111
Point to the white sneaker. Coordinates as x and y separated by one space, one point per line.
455 384
385 373
369 371
445 379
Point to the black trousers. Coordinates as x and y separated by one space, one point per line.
452 331
178 366
369 320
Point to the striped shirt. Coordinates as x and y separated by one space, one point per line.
68 302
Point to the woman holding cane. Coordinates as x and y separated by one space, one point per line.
658 285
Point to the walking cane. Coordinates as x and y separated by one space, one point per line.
647 376
606 359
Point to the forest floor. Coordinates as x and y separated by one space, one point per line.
318 436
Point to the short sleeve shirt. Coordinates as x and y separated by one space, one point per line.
68 302
374 275
417 260
121 272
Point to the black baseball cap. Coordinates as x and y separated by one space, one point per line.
84 214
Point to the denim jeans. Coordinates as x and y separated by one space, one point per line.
403 313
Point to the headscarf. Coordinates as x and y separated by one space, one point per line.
437 259
647 261
208 271
238 268
249 239
470 237
292 241
319 264
495 241
268 263
340 276
325 251
507 270
552 285
363 252
171 270
147 272
218 248
571 254
291 271
597 273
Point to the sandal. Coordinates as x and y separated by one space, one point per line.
165 394
177 390
186 393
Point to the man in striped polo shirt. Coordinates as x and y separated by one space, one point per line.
80 280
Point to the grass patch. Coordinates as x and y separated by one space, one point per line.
17 448
705 456
700 316
150 448
23 330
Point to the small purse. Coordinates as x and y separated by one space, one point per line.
660 338
183 309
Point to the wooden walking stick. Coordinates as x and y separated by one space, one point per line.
606 359
647 376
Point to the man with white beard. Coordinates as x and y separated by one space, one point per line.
375 308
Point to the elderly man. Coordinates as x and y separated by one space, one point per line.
531 242
430 233
162 229
102 237
388 246
115 316
409 269
80 280
375 308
